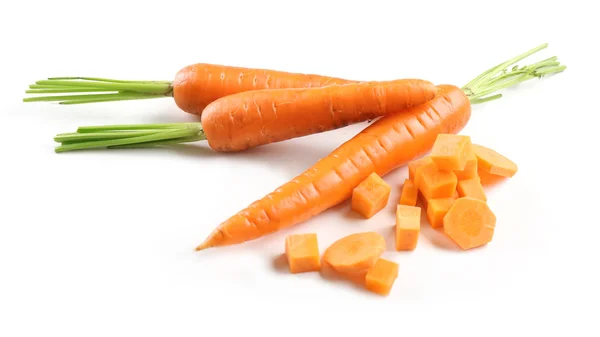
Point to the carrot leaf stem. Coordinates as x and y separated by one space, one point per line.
106 90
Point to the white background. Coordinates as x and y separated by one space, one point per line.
101 243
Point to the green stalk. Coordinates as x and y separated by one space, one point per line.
481 89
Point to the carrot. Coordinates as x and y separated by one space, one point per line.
470 169
409 193
408 227
193 88
381 277
356 253
492 162
471 188
302 252
253 118
415 165
451 152
437 209
470 223
436 183
370 196
386 144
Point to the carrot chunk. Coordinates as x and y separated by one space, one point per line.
409 193
414 166
471 188
451 152
355 253
470 170
488 179
370 196
408 225
437 209
381 277
302 251
470 223
491 161
435 183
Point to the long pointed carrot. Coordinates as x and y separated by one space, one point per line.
193 87
388 143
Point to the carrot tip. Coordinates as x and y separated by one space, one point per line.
203 246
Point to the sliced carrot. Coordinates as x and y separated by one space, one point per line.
355 253
371 195
435 183
437 209
470 223
470 170
471 188
381 277
451 151
414 165
409 193
488 179
302 251
408 224
491 161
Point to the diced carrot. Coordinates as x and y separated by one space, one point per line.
422 201
437 209
456 195
471 188
355 253
370 196
470 223
408 225
435 183
409 193
451 152
302 251
381 277
491 161
414 166
488 179
470 170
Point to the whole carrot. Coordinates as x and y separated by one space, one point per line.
193 87
388 143
253 118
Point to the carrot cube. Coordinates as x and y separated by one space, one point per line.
437 209
435 183
409 193
471 188
451 152
470 170
408 225
414 166
370 196
381 277
302 251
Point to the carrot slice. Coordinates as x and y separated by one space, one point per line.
302 251
414 166
451 152
355 253
409 193
470 170
435 183
488 179
370 196
381 277
471 188
408 224
470 223
437 210
491 161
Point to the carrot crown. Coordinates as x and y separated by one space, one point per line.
481 89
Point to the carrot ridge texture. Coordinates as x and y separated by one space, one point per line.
356 253
252 118
386 144
302 252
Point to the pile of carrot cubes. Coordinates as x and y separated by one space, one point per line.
446 187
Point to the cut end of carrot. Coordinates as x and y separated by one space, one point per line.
370 196
355 253
470 223
451 152
381 277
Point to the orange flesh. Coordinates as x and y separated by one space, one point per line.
408 224
355 253
492 162
437 209
302 251
435 183
409 194
470 223
381 277
471 188
470 170
370 196
414 166
451 152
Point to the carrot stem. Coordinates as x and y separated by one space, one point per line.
113 90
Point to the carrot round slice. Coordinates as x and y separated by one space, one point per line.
490 161
355 253
470 223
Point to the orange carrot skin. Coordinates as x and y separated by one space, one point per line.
196 85
253 118
388 143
